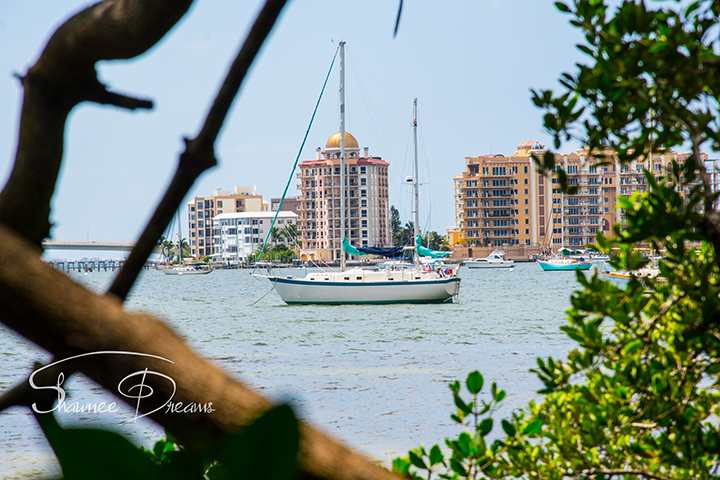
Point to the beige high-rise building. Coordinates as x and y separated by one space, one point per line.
503 201
366 200
202 210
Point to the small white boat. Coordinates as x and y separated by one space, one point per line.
186 270
495 260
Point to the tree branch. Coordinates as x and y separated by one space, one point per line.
199 153
63 77
48 308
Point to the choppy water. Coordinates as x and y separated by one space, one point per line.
374 376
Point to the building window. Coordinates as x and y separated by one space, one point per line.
362 169
526 201
219 203
363 193
200 205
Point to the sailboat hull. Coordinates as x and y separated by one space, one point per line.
564 265
295 291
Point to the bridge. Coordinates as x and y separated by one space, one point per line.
106 246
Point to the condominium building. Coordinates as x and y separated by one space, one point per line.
201 211
290 204
502 201
366 200
238 235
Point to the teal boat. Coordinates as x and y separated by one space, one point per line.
562 264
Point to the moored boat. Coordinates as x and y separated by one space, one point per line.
563 264
360 286
186 270
495 260
418 284
621 279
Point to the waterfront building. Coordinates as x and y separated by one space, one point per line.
238 235
202 210
505 201
290 204
366 200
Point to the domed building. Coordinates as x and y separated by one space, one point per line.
367 200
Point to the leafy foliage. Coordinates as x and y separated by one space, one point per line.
267 448
638 397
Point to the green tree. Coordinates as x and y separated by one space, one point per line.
395 225
407 235
292 235
638 397
276 235
435 241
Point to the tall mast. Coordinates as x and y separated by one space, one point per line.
179 236
415 186
342 154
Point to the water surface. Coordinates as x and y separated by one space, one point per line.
374 376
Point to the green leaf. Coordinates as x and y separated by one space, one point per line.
88 454
461 405
457 467
632 346
417 461
464 443
485 426
401 466
474 382
508 428
436 455
532 427
267 448
562 7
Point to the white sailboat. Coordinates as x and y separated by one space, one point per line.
361 286
181 268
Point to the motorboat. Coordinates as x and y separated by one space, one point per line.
495 260
186 270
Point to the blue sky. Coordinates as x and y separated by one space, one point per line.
470 64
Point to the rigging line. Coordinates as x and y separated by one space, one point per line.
256 301
401 183
404 115
374 118
431 197
292 173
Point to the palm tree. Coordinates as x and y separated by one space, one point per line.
165 247
276 234
292 235
407 234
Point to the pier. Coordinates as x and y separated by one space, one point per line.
94 265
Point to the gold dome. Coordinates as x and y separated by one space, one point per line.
334 141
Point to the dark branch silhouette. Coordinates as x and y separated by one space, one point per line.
66 319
